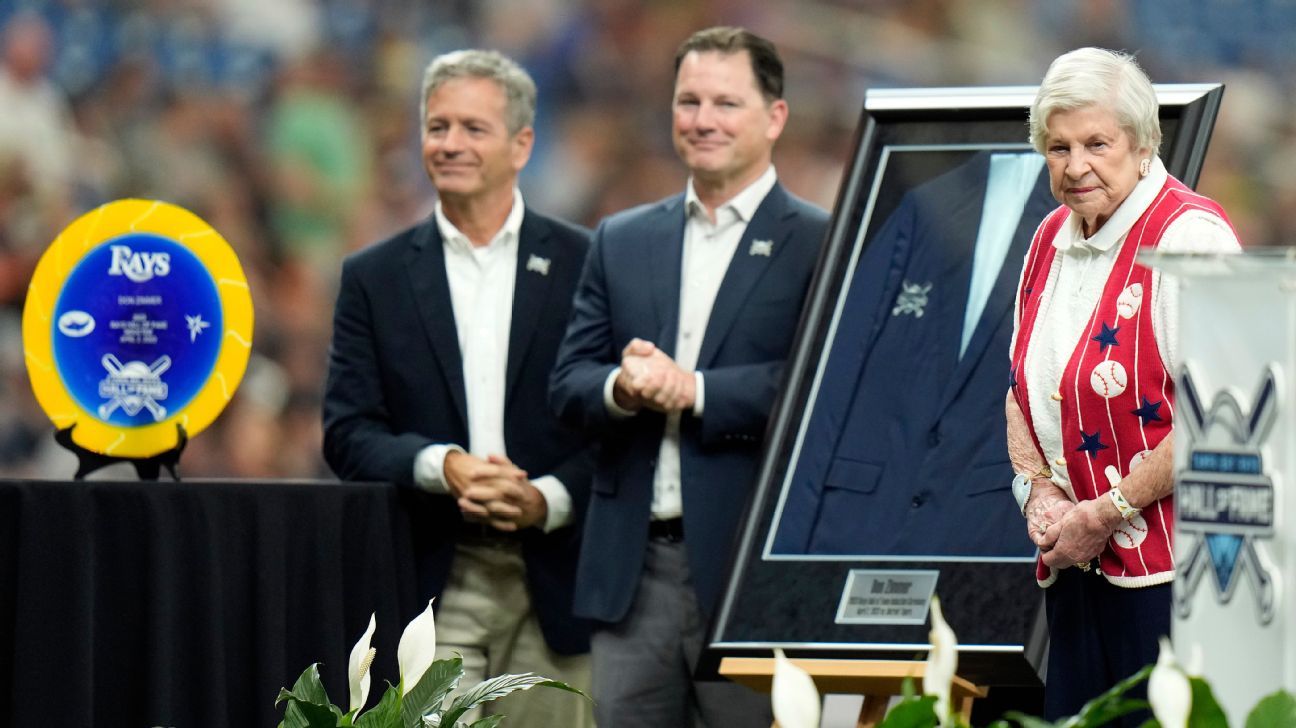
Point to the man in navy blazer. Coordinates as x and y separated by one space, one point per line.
903 453
683 319
443 339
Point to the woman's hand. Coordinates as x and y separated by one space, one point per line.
1048 504
1081 534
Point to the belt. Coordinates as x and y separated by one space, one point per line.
480 534
671 529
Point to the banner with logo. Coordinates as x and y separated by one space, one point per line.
138 320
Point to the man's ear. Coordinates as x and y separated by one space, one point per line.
778 112
522 143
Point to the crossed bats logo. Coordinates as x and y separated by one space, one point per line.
1224 497
133 386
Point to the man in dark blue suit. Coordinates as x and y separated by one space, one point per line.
905 451
675 350
443 339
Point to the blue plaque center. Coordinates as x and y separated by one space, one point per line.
137 329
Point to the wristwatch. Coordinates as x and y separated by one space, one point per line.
1021 490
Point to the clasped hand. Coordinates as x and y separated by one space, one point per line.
1068 533
650 379
493 491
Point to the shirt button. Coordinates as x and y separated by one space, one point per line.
1060 462
918 500
1056 396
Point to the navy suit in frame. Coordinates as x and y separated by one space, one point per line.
395 386
906 451
631 288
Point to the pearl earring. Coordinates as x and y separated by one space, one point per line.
1145 167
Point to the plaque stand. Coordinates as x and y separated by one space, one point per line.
876 680
147 468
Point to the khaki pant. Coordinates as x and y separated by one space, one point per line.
485 616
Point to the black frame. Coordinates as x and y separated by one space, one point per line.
993 605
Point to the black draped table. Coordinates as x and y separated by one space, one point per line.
190 604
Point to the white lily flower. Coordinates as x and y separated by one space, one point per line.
417 649
942 661
358 676
794 696
1168 690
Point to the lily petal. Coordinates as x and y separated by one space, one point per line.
942 661
794 696
417 649
358 675
1168 690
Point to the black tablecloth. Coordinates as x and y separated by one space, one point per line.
191 604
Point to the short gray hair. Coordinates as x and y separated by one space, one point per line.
1098 77
519 89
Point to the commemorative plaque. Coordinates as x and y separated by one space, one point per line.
137 328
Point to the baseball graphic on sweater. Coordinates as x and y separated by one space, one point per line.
1108 379
1129 301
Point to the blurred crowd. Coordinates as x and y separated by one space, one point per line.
292 127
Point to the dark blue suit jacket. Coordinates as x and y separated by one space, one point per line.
906 452
630 288
395 385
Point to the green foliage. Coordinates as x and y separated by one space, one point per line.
1206 711
308 706
496 688
1274 711
441 678
1277 710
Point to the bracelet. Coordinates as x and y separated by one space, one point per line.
1127 511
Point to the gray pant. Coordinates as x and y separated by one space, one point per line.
643 665
486 617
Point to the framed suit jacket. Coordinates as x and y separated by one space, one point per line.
395 385
630 288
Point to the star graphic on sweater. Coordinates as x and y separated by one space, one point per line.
1107 337
1092 443
1148 412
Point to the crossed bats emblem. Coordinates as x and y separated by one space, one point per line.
1227 548
133 386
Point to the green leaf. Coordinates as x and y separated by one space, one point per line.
386 714
912 712
441 678
489 721
1028 721
498 687
1277 710
1111 704
1206 711
307 715
307 689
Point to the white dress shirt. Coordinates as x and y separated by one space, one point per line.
481 293
708 248
1075 283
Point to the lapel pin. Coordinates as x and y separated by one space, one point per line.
538 265
761 247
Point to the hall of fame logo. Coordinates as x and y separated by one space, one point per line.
1224 497
138 321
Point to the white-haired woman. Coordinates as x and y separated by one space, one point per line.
1092 390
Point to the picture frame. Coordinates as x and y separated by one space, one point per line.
802 576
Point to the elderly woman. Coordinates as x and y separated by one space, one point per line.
1092 390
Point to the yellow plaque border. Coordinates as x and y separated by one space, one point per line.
84 235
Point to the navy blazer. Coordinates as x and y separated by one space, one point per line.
906 451
630 288
395 385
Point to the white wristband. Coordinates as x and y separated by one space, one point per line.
1127 511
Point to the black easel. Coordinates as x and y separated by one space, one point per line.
147 468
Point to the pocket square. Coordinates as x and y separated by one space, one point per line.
537 264
761 247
